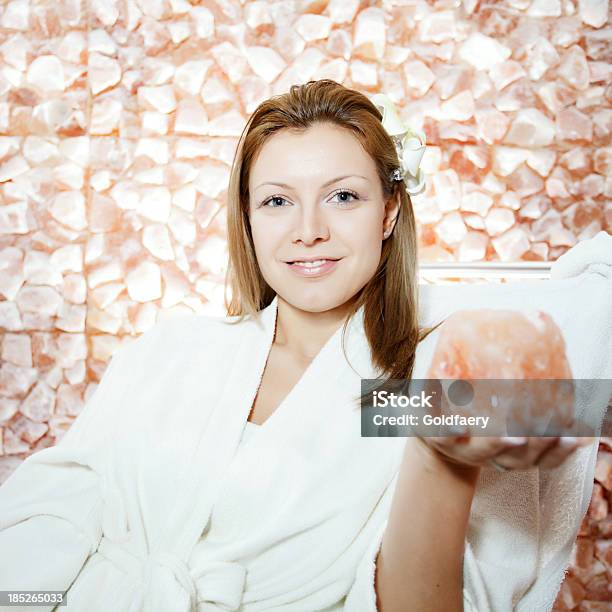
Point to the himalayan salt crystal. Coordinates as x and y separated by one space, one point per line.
451 229
146 317
313 27
265 62
514 345
179 31
419 78
337 69
10 318
556 184
574 69
516 96
144 282
511 245
438 27
426 210
599 588
600 72
603 551
191 118
28 430
473 247
210 255
8 408
14 445
150 176
71 317
75 149
156 240
477 202
16 381
105 11
12 168
539 250
103 72
11 272
203 21
38 269
69 176
498 220
257 14
15 15
68 208
541 160
574 125
603 473
106 295
189 76
458 108
570 594
103 215
598 508
182 227
461 132
103 321
525 182
291 46
511 200
561 236
230 123
531 128
448 190
364 73
74 288
556 96
593 12
212 179
46 74
157 98
483 52
68 401
179 173
541 58
544 8
504 73
602 161
155 203
592 186
492 124
185 198
17 349
534 207
101 42
342 11
15 52
474 222
369 34
592 97
110 271
449 80
155 149
507 159
71 347
105 116
68 258
154 123
339 44
215 91
39 300
14 218
38 405
77 373
176 288
100 181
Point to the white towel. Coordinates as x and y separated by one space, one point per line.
596 252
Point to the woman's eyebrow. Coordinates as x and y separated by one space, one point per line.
327 184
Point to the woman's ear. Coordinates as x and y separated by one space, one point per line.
391 212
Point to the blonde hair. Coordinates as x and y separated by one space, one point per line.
390 298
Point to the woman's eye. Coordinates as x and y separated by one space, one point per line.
345 192
267 202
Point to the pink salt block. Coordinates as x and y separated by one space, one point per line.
486 345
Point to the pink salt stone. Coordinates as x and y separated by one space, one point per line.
490 344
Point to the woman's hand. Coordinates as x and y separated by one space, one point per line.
509 453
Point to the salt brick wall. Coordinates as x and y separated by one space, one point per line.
118 124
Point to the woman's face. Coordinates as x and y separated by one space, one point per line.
317 195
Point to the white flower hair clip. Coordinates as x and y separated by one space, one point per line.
410 145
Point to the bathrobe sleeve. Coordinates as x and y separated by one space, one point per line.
519 541
51 505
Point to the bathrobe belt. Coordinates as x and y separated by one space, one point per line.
213 582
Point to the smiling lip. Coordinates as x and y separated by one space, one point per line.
312 271
306 259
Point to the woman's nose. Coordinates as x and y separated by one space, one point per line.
310 225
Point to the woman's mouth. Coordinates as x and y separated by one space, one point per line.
313 268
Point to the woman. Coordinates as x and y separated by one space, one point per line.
220 466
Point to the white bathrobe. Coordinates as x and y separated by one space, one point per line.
149 504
